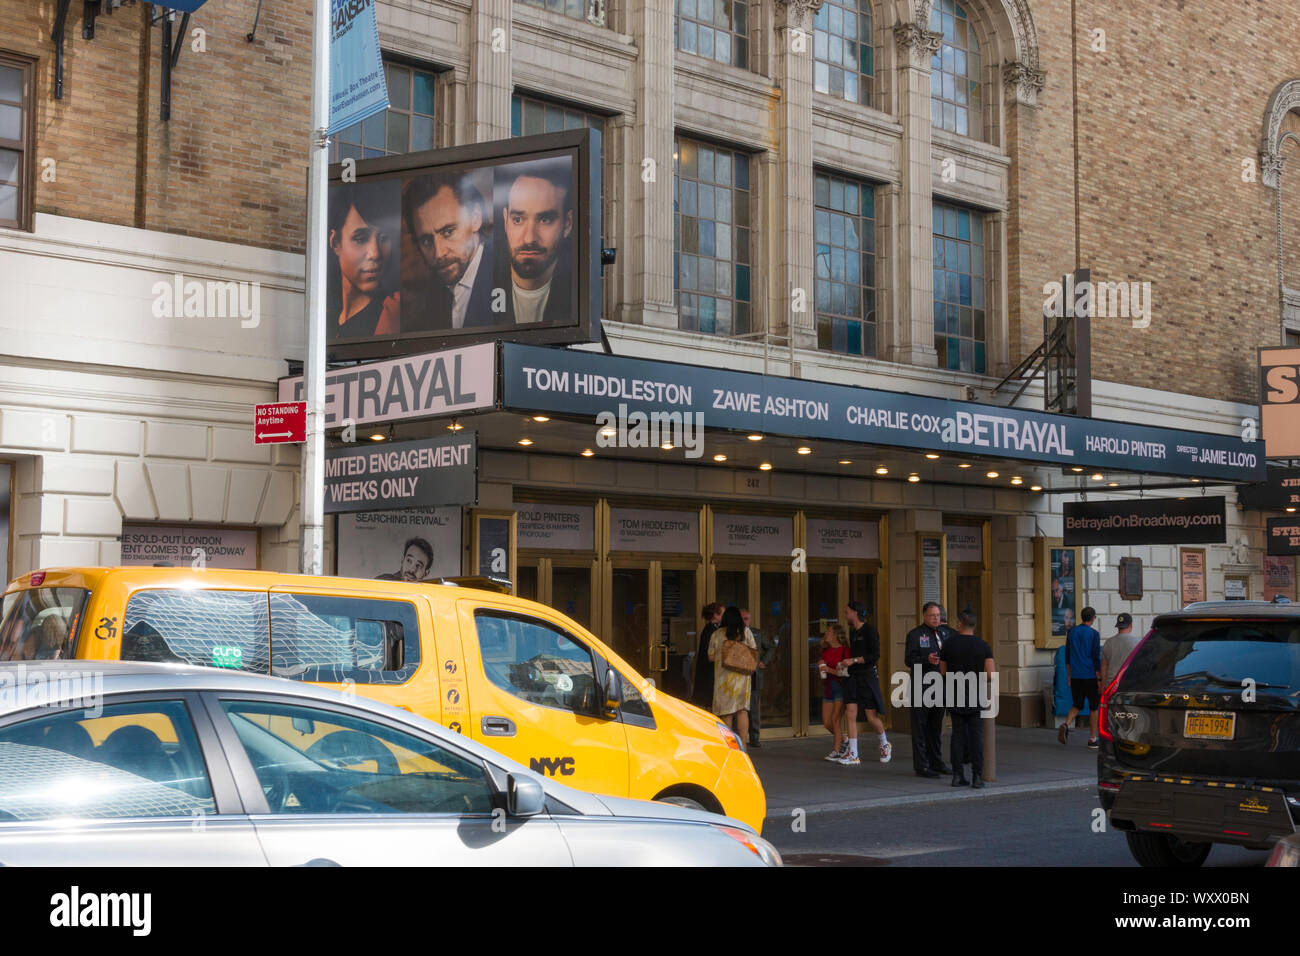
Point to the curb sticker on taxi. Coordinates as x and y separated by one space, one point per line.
227 656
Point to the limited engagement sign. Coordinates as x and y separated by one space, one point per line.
409 474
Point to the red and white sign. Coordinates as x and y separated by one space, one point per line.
278 424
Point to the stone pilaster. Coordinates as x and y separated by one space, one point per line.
489 88
913 343
793 232
648 171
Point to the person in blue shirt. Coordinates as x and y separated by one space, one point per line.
1082 665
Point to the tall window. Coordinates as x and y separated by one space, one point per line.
405 127
955 91
529 116
591 10
711 267
716 29
15 144
843 57
846 266
959 313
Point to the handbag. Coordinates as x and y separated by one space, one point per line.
739 657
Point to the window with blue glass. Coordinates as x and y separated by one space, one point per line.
714 29
960 322
405 127
843 57
955 91
844 233
711 231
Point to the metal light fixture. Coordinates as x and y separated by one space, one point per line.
719 457
1017 480
882 470
755 436
587 453
991 474
1035 487
525 441
766 466
803 450
541 418
931 455
913 477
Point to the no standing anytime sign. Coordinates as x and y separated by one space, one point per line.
279 424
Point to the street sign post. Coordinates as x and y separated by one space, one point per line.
279 424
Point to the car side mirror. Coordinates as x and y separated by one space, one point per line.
613 691
524 796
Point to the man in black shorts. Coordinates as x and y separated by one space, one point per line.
1082 662
862 686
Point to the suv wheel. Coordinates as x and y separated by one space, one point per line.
1164 850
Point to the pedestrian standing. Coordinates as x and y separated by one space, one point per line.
921 655
1118 648
833 669
969 660
862 685
702 687
730 687
766 651
1082 662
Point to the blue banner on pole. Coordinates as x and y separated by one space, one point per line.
184 6
357 86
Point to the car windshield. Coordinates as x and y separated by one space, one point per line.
1219 654
41 624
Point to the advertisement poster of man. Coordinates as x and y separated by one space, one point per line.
448 257
1062 604
361 297
536 203
417 544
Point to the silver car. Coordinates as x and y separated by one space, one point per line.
112 763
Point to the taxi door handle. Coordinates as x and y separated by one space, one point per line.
497 727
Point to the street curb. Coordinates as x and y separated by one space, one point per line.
954 793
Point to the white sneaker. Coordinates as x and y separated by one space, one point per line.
886 752
834 755
849 761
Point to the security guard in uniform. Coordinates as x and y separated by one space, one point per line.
923 646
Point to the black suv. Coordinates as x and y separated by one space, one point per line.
1200 733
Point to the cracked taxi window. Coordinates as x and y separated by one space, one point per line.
205 628
331 639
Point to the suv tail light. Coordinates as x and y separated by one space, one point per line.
1103 709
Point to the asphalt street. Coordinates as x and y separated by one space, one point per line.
1040 829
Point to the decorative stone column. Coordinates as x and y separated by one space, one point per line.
648 171
913 343
793 227
488 102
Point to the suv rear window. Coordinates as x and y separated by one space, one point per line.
1219 653
333 638
41 624
205 628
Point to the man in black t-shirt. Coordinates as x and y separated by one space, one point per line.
862 686
969 661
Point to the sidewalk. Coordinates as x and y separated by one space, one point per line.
1029 759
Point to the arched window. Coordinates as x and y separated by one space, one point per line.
956 94
843 57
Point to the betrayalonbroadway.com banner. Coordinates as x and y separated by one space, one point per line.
1193 520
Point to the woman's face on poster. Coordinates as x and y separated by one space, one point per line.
362 250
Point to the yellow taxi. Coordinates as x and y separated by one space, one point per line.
512 674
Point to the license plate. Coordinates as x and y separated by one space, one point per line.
1209 724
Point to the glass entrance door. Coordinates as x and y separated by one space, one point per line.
773 613
630 617
823 608
679 630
